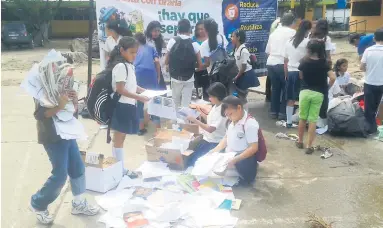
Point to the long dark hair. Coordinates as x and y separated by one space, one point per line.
125 43
337 65
159 41
321 30
317 46
241 35
211 28
201 22
120 30
304 27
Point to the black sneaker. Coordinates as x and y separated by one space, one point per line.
142 132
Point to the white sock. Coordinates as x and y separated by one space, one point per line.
289 114
119 152
113 152
78 199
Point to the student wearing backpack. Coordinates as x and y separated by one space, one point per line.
244 137
214 48
148 72
180 61
124 119
246 77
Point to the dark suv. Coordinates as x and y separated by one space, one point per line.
15 33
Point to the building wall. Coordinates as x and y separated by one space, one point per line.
373 22
70 28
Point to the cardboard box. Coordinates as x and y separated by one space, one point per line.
192 128
166 135
103 176
174 157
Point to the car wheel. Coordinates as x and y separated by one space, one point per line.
32 45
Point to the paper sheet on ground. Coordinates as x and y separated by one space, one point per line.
208 164
114 198
154 169
321 131
153 93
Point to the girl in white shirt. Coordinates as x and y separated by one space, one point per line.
241 137
214 46
125 119
215 128
112 40
294 52
246 76
342 76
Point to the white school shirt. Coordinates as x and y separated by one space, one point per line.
343 79
205 48
110 43
119 75
334 90
277 44
295 54
373 58
196 47
241 135
242 57
216 120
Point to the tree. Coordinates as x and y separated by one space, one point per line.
36 14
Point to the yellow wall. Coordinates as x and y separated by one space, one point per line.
309 14
373 23
70 29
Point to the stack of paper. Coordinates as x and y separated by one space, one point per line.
154 169
71 129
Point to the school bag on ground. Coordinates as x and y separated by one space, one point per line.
100 102
182 59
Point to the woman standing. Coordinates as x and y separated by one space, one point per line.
246 76
241 137
295 51
155 39
201 76
148 73
215 46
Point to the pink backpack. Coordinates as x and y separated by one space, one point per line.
262 150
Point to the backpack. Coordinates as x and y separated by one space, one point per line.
219 54
100 103
262 149
252 60
182 59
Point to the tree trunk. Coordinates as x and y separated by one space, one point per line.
301 9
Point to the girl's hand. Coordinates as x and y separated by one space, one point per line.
231 163
191 119
63 100
144 99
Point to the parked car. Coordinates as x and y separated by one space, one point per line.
16 34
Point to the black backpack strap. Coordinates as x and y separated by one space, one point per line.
115 100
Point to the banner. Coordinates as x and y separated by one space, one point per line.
253 16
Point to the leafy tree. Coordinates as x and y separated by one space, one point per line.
36 14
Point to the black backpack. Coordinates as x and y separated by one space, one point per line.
100 103
182 59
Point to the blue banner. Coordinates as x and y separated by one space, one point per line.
253 16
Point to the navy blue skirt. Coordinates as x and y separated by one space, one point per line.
247 80
293 86
125 119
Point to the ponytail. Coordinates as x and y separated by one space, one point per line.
211 28
304 27
115 56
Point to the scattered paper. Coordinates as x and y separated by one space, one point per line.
236 204
154 169
114 198
162 107
153 93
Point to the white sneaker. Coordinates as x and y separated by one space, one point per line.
42 216
84 208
